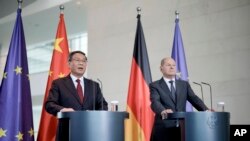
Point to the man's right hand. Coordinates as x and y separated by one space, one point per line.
164 113
67 110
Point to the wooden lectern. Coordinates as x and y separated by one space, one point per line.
91 126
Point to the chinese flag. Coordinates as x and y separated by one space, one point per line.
58 68
139 125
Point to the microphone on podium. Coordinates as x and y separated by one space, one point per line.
211 99
101 90
201 90
94 89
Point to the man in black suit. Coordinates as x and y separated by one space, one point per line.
168 98
75 92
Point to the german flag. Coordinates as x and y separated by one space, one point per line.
139 125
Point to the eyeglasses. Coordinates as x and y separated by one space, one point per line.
80 61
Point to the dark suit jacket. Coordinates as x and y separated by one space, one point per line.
63 94
161 99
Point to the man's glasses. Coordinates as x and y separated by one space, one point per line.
80 61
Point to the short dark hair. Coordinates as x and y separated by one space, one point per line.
71 54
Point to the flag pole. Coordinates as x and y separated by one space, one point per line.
61 8
177 14
20 4
138 10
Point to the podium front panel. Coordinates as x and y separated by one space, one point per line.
95 125
207 126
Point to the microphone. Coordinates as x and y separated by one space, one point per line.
201 90
94 87
101 90
210 92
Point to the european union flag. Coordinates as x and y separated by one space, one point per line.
178 54
16 121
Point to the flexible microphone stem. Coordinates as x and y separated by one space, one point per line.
210 92
101 90
94 89
201 90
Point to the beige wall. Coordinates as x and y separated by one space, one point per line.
216 38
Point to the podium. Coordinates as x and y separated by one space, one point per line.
91 126
203 126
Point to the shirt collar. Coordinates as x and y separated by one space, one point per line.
167 79
75 78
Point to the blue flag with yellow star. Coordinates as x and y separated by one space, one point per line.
16 121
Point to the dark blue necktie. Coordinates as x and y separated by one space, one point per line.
172 89
174 98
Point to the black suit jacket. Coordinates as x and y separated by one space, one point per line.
63 94
161 99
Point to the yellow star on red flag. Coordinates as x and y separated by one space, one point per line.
57 46
61 75
50 73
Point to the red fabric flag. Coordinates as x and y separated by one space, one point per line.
139 125
58 68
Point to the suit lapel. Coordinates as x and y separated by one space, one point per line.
87 88
178 88
71 87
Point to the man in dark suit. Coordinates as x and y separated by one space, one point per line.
169 95
75 92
